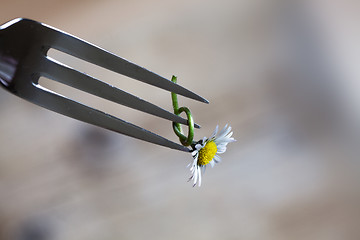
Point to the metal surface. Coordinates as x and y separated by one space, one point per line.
24 45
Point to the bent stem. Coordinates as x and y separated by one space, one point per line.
186 141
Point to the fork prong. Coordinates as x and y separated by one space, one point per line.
71 77
81 49
68 107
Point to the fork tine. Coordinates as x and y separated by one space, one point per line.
93 54
70 108
66 75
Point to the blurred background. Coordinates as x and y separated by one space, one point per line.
284 74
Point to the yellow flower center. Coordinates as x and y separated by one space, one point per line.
207 153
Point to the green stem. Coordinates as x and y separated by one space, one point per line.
186 141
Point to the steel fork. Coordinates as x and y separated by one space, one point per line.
24 45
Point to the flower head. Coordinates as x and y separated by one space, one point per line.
206 152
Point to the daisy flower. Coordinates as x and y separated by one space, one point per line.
206 152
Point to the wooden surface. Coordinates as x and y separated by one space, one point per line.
292 174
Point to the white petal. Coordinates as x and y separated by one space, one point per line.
190 178
193 165
199 178
198 171
220 151
227 135
224 132
215 132
193 153
195 179
221 145
212 163
228 140
203 169
223 139
217 159
198 146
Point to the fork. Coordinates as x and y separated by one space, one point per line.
24 45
